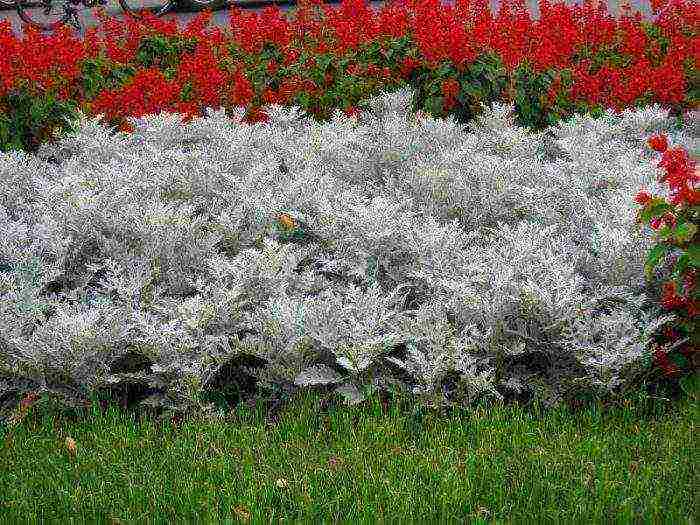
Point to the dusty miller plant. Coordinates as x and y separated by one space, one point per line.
453 261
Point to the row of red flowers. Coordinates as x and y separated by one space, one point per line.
130 69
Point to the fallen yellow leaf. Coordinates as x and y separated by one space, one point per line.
281 483
242 513
70 445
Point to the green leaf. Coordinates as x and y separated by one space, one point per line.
323 62
445 69
693 254
656 208
303 99
681 264
653 258
477 68
473 90
434 105
326 99
680 360
665 232
684 232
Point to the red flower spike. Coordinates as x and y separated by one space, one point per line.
670 219
658 143
642 197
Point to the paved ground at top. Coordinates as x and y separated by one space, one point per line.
221 17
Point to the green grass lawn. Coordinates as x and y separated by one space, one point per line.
631 462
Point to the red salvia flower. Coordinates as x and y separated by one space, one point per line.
642 197
658 143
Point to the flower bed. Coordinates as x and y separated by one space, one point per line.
512 248
381 251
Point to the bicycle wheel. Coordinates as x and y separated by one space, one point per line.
138 8
43 14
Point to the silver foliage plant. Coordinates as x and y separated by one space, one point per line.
453 261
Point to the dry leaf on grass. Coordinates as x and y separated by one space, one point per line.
242 513
70 446
281 483
633 467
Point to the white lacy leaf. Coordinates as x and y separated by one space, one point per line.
318 375
358 365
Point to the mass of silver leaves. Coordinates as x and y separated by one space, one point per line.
452 261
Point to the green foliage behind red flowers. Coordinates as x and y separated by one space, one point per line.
572 60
